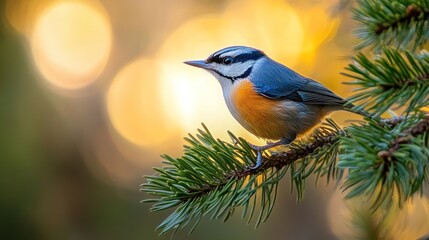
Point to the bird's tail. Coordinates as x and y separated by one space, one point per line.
355 109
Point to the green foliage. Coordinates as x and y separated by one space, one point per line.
394 78
403 23
212 177
202 181
387 163
322 161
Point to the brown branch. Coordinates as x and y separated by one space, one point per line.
277 160
411 13
282 159
405 137
408 82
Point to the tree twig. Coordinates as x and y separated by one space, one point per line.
410 13
405 137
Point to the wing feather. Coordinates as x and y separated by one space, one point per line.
280 82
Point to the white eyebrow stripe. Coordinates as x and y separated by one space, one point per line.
226 50
236 52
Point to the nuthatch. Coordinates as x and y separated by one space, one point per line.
267 98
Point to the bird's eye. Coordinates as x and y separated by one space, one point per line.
227 60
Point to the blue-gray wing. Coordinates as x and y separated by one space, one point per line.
280 82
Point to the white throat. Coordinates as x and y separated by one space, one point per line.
228 88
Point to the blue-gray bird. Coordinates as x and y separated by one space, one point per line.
267 98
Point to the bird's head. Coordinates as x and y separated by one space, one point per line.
230 64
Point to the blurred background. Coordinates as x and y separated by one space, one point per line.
93 92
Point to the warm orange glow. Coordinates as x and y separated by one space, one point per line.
21 14
412 221
287 33
71 43
320 26
273 26
338 216
409 222
134 107
425 109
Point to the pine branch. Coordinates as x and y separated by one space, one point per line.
213 176
405 138
277 160
394 166
400 23
399 78
386 160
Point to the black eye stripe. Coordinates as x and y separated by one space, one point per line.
248 56
219 73
244 75
215 59
255 55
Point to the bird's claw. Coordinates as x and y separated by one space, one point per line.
258 150
258 160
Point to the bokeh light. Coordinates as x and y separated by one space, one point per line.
412 221
21 14
350 218
86 153
71 43
133 104
272 26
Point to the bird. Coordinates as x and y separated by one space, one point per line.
269 99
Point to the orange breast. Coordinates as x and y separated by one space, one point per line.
259 115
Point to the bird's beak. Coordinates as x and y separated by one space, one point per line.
199 63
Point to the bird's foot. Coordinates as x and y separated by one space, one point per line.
260 149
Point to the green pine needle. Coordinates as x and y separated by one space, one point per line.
385 160
395 78
399 23
388 164
213 176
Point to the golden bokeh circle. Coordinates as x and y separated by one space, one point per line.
21 14
411 221
134 106
272 26
71 43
